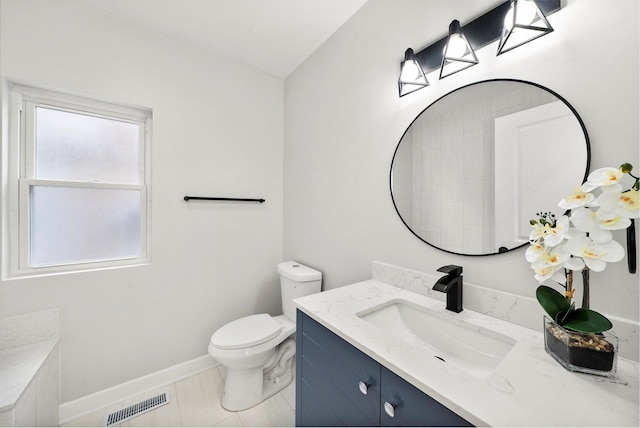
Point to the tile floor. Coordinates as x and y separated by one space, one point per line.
195 401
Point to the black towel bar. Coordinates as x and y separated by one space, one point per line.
204 198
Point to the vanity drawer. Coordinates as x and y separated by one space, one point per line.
412 406
330 371
334 403
351 357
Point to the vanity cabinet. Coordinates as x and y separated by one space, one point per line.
339 385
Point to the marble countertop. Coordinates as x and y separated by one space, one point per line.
18 367
528 388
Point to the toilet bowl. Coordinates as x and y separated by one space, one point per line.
258 350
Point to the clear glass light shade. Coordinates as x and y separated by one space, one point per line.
523 22
412 77
458 53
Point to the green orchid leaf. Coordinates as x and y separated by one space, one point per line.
563 316
560 316
587 321
551 301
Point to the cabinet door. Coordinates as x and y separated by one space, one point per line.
329 372
412 407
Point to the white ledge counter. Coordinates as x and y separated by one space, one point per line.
527 388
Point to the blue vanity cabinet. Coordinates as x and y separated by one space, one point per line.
336 384
412 407
339 385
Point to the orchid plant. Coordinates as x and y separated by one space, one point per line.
581 240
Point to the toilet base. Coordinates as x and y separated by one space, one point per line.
244 388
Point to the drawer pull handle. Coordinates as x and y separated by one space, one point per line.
364 387
389 409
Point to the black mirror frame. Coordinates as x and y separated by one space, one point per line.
502 249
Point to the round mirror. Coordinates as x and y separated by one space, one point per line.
476 166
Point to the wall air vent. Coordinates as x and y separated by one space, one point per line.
134 410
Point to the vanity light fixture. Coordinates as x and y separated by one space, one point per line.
523 22
458 53
504 23
412 77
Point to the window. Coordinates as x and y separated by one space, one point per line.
79 177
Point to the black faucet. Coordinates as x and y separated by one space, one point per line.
451 284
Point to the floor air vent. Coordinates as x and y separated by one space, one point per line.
127 413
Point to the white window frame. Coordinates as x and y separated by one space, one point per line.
21 177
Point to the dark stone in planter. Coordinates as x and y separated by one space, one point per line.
566 350
581 357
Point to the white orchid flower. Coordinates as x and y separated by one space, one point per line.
613 223
602 177
554 256
534 252
577 199
631 203
544 271
587 221
537 233
625 204
561 256
554 235
589 243
611 188
559 276
584 219
595 255
574 263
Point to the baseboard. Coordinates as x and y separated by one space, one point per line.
97 400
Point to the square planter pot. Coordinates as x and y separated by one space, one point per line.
593 353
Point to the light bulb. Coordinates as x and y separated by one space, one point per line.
527 13
410 72
456 47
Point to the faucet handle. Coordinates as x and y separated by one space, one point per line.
451 270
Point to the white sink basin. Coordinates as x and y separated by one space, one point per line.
474 349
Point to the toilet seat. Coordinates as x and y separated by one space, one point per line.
246 332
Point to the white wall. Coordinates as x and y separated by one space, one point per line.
217 131
343 120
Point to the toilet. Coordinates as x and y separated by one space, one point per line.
258 350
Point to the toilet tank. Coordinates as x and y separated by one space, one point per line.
297 280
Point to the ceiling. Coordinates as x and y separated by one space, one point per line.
274 36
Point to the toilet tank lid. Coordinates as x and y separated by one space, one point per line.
298 272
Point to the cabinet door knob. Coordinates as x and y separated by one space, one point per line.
390 409
364 387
